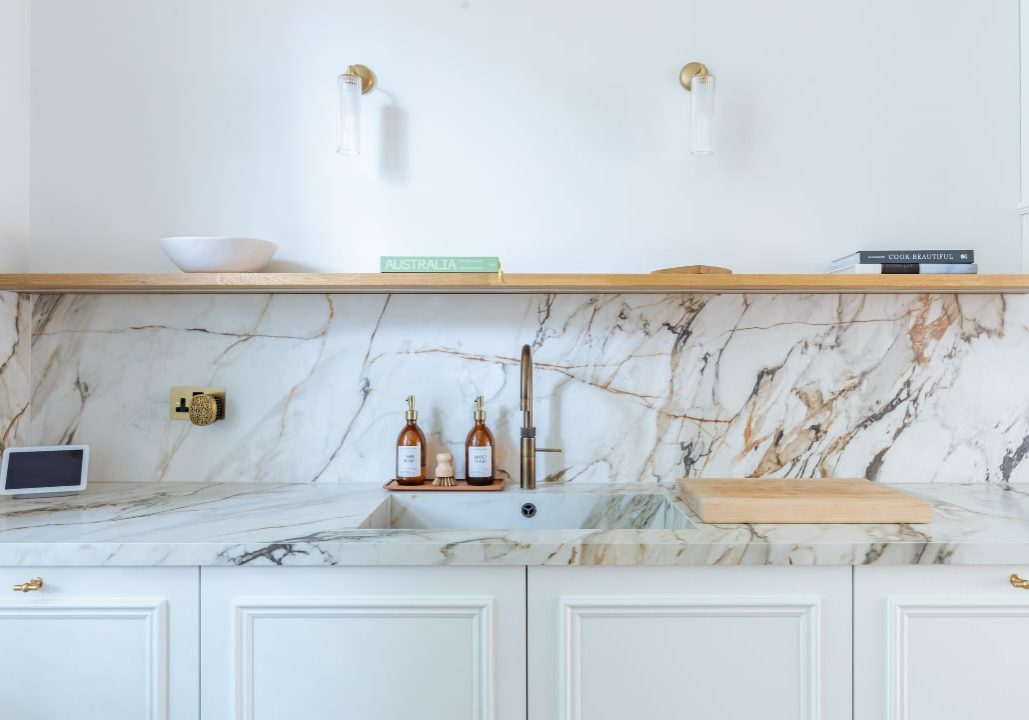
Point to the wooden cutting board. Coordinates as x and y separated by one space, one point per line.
765 500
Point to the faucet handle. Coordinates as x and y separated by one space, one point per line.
549 450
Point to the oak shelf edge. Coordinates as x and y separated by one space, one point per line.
344 283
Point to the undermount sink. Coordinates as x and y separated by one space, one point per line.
531 510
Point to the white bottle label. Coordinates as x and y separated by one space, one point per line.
409 461
480 462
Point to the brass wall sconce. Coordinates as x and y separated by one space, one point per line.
696 79
353 83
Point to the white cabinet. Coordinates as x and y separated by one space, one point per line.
939 643
375 643
99 644
455 643
609 643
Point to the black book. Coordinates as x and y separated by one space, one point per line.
906 257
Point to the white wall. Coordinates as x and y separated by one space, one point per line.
14 133
551 133
1024 207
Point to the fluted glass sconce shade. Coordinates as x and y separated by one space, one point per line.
352 84
703 112
349 141
701 83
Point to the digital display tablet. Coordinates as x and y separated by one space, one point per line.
40 471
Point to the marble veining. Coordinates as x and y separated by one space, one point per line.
896 388
15 345
232 524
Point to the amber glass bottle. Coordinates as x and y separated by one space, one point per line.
478 449
411 450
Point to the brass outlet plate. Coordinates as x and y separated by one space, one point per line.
178 399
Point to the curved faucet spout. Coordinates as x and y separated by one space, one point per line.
525 399
528 439
527 452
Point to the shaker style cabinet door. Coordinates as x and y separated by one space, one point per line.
940 643
99 644
610 643
375 643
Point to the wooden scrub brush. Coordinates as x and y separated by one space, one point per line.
444 471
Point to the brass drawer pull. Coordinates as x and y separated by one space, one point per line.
31 586
1019 582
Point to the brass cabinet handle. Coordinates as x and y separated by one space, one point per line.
31 586
1019 582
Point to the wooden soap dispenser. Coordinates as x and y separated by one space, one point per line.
478 450
411 450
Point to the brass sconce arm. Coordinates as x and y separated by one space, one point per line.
366 75
690 71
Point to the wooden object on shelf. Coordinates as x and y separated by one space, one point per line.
693 270
230 283
461 486
767 500
444 471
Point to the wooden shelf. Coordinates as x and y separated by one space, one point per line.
511 283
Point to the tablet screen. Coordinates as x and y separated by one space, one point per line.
44 469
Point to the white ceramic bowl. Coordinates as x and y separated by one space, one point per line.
218 254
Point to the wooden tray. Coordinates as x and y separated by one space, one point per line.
462 486
757 500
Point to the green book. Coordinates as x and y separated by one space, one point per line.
438 264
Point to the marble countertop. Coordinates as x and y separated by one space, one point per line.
193 524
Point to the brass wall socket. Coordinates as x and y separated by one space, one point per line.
178 399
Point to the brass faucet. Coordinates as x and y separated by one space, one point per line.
529 449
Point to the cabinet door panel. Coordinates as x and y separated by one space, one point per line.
939 643
609 643
103 643
364 642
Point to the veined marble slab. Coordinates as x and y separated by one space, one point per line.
896 388
194 524
15 387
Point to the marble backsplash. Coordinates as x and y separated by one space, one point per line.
897 388
15 344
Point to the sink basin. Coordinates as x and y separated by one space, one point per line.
539 510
